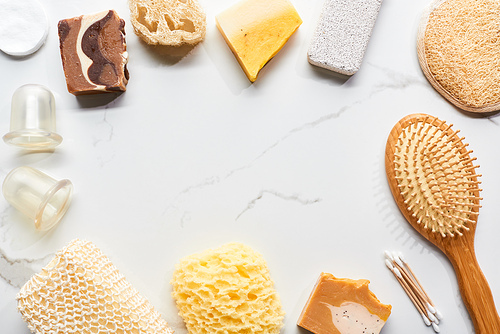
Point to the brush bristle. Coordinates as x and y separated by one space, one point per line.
436 177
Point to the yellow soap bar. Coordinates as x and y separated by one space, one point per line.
343 306
256 30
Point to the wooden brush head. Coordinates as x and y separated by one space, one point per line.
432 177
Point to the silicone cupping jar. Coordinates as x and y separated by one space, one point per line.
37 195
33 119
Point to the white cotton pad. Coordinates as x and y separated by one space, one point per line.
23 28
342 34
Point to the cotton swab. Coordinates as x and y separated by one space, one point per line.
396 263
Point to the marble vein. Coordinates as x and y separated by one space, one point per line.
16 272
303 127
397 81
5 226
307 126
3 216
293 198
206 182
110 132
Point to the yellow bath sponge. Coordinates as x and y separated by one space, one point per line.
227 290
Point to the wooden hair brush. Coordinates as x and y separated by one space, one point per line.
435 185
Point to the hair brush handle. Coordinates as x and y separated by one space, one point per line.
474 288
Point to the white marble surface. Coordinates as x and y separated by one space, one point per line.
193 156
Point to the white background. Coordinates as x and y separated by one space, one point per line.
193 156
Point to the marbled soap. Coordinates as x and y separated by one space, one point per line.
94 53
343 306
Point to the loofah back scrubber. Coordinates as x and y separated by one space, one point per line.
458 48
227 290
81 291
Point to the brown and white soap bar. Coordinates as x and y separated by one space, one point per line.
94 53
343 306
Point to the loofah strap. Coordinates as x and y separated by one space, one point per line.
81 291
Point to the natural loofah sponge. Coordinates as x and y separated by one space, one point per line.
168 22
81 291
227 290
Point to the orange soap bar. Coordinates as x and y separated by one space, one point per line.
343 306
